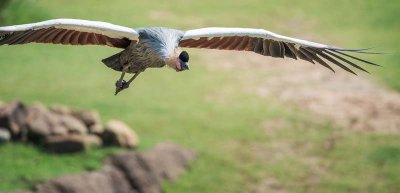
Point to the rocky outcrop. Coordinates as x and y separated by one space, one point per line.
71 143
118 133
90 119
12 117
64 130
61 129
173 163
108 180
40 123
129 172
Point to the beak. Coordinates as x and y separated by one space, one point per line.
185 65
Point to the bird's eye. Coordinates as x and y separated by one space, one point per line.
184 56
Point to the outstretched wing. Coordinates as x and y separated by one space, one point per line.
270 44
69 32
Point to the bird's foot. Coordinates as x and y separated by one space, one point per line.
120 85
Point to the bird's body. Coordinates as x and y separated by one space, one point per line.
155 47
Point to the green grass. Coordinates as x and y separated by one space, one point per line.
236 153
20 11
23 166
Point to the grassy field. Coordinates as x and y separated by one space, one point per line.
236 152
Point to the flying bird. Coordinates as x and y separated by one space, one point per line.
156 47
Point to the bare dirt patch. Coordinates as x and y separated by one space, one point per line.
269 185
349 101
280 151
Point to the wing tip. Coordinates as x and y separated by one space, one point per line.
355 58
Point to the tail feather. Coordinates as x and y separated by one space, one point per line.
114 62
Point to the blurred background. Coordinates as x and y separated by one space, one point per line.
260 124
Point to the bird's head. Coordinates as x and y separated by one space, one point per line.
182 62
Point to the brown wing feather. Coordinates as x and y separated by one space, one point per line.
83 38
217 43
280 49
12 39
288 52
258 45
50 38
242 45
275 49
227 43
61 36
266 48
22 37
315 57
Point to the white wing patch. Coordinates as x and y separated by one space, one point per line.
256 33
103 28
69 32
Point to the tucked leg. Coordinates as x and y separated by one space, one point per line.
123 84
120 81
133 78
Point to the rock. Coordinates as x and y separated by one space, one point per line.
93 140
168 160
5 135
90 119
72 124
41 123
108 180
128 172
71 143
118 133
12 117
137 171
145 171
61 110
97 129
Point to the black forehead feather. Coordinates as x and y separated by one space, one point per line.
184 56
